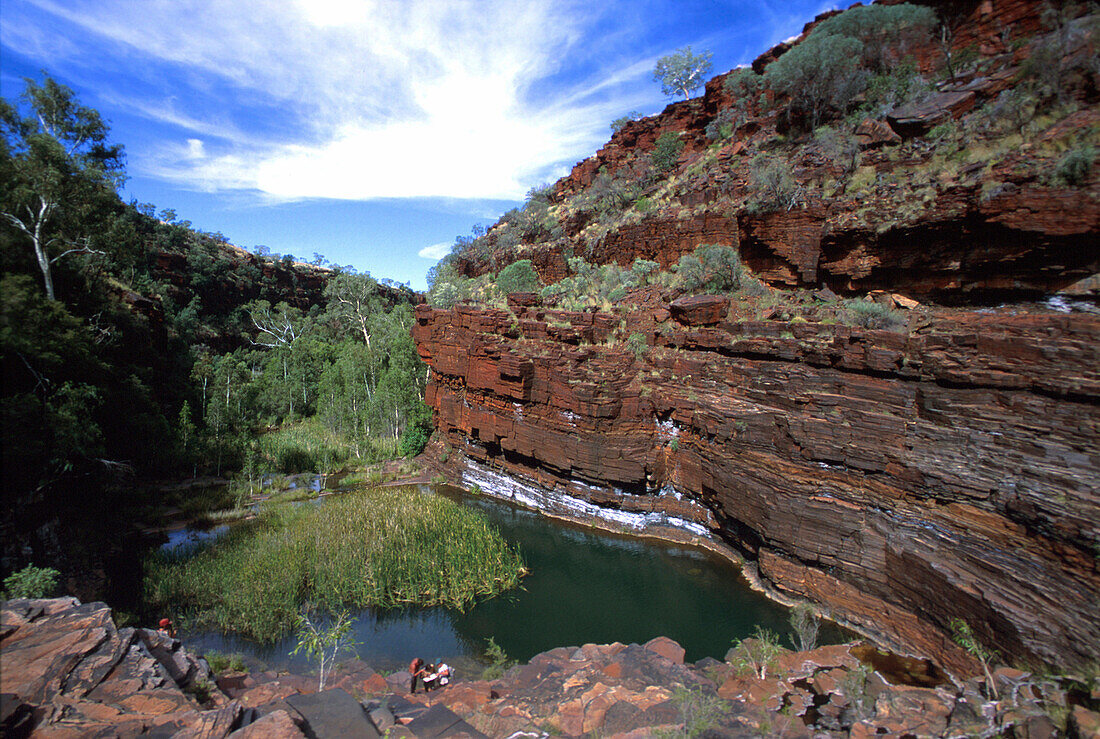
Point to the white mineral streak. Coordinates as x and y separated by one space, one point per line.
500 485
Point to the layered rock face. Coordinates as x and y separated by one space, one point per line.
899 480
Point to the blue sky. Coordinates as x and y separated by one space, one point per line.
369 131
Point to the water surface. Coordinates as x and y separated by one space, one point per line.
585 586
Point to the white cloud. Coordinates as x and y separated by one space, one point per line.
435 252
392 99
361 99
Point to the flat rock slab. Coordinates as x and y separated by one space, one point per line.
440 721
333 714
699 310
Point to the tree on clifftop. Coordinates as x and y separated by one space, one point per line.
682 72
56 165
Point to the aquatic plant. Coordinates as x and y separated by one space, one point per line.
381 548
305 447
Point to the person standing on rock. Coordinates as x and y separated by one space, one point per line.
416 669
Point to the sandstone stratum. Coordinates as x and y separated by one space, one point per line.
907 475
68 671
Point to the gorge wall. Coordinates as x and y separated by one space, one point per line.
899 481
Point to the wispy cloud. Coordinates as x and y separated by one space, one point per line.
390 99
435 252
366 99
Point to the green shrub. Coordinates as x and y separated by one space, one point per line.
966 638
839 146
711 267
758 653
619 123
722 269
31 582
819 76
498 661
823 75
518 277
220 662
643 268
886 32
745 86
609 195
590 285
700 709
900 85
772 184
805 624
1073 168
1012 110
666 152
637 344
413 440
723 125
872 315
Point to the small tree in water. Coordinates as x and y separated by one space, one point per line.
324 642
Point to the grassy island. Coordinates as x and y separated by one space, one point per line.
380 548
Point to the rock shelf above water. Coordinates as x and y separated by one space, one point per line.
68 671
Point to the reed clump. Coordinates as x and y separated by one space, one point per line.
379 548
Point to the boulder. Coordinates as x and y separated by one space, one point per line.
68 663
871 134
917 119
667 648
699 310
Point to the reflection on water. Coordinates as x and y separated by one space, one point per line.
585 586
184 541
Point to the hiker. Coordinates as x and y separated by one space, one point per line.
416 669
443 674
165 628
428 677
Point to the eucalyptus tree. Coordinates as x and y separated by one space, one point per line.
57 166
682 72
354 301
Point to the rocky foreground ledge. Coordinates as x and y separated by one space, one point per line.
68 671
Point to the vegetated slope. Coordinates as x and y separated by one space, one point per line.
113 382
902 471
964 187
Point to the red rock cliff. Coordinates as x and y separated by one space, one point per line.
900 481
